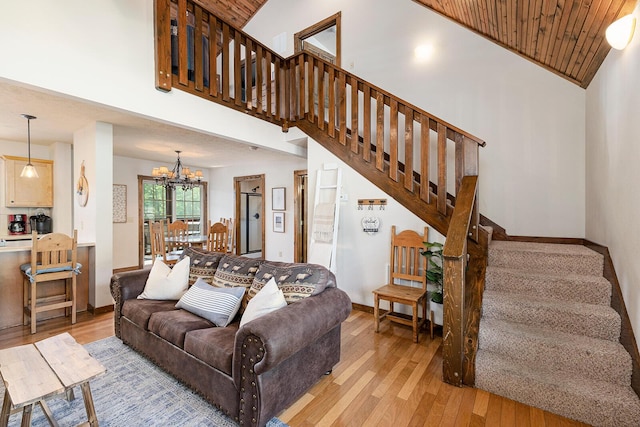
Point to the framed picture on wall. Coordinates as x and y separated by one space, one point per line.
278 222
119 203
278 198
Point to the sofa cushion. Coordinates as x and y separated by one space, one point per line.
173 325
296 280
214 346
165 282
270 298
140 310
218 305
203 263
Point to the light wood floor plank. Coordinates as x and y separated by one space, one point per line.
353 368
294 409
481 403
345 400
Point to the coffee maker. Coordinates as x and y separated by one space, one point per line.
17 224
41 223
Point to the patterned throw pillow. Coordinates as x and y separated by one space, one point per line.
203 264
218 305
296 281
235 270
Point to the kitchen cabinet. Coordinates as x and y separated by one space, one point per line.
28 192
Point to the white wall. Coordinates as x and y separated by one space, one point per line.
532 170
278 246
362 260
103 51
612 173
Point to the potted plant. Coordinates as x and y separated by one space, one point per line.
435 277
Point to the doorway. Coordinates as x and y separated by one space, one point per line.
321 39
249 214
300 179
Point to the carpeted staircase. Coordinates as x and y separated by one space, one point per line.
548 336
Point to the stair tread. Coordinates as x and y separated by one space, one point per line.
575 343
548 248
587 400
568 316
574 287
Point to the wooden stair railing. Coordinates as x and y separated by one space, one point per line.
394 144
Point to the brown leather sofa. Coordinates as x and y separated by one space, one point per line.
251 373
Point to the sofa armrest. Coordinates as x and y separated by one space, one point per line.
291 328
124 286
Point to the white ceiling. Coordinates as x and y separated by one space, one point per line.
58 117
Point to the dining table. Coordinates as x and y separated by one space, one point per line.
191 240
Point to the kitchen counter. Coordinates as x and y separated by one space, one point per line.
18 252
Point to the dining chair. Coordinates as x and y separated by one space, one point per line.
178 233
159 244
407 267
231 234
54 256
217 238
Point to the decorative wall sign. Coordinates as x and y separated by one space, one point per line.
278 198
119 203
82 188
278 222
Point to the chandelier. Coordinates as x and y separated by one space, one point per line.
179 176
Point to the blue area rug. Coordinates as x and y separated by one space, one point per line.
133 392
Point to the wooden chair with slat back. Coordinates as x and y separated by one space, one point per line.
54 256
217 238
231 234
178 232
159 245
407 267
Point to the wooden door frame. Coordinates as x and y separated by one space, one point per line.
237 190
297 200
317 28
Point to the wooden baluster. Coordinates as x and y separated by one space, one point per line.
278 86
354 114
162 31
301 88
226 63
342 107
248 75
380 131
213 56
268 64
183 77
288 90
471 168
459 160
393 140
311 87
331 126
366 123
442 169
321 95
259 78
408 149
425 194
237 68
198 57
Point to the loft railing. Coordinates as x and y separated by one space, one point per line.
425 163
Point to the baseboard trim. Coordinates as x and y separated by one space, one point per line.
362 307
99 310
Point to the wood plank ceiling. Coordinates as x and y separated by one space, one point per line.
563 36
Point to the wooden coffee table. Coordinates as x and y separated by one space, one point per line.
49 367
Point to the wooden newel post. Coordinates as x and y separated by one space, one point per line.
163 45
453 313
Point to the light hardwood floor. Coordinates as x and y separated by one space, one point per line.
382 379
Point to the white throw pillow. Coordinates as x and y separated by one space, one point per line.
166 283
268 299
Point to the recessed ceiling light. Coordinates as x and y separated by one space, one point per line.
423 52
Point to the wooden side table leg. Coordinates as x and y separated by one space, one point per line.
26 416
6 410
48 414
88 404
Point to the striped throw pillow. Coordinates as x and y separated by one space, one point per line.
218 305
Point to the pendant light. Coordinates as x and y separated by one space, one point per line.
29 171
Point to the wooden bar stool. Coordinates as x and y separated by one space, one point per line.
54 256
